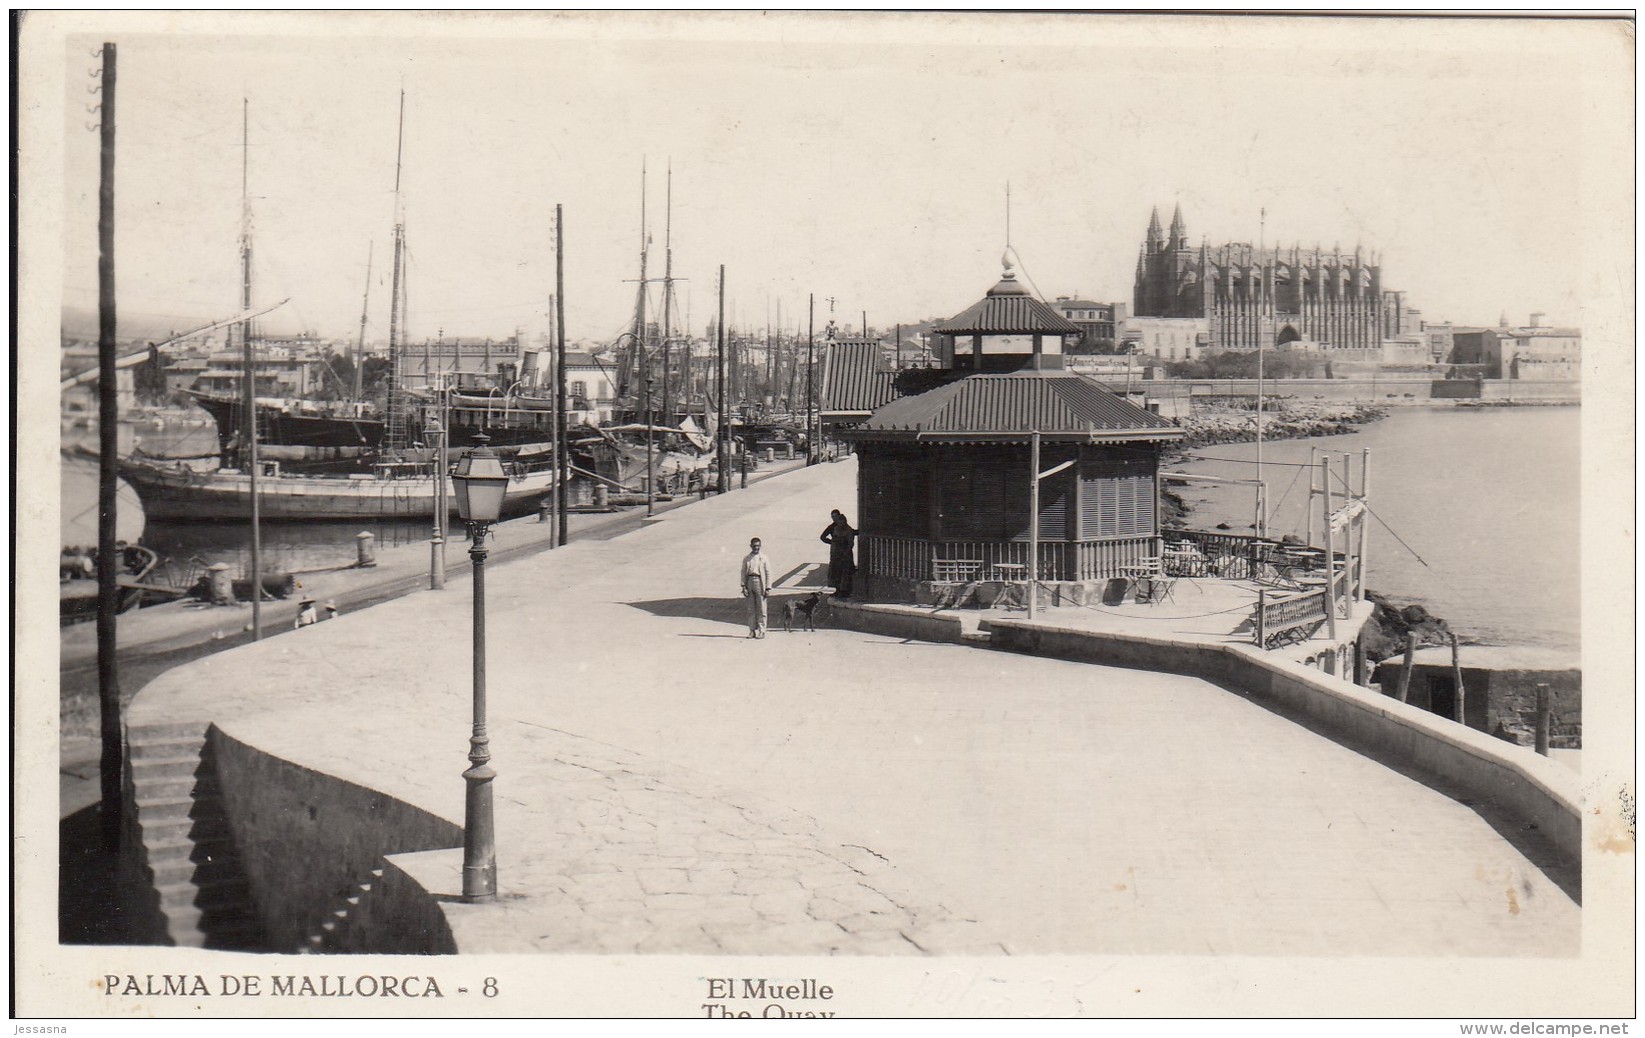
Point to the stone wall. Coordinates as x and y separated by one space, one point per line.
282 813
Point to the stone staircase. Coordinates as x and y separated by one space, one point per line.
333 935
188 846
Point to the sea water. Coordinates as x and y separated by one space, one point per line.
1476 512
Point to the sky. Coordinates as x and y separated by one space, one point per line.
860 158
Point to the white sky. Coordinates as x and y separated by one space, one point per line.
862 157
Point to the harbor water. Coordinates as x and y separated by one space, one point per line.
1487 497
1485 500
190 547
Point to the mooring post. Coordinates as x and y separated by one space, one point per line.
1456 679
220 584
1405 673
1544 718
365 548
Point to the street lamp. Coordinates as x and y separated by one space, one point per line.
480 483
435 431
650 473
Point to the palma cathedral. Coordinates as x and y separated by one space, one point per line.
1260 297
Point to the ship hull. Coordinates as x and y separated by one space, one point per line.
182 494
505 422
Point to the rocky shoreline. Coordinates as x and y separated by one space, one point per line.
1281 420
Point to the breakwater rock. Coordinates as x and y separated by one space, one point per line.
1282 421
1390 624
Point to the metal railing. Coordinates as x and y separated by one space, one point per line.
916 558
1284 616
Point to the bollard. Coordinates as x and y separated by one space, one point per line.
1544 719
219 584
602 495
545 508
771 454
1405 672
365 545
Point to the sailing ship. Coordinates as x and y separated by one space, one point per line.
400 483
396 491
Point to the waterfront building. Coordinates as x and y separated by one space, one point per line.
590 385
944 477
1535 351
1164 338
277 371
1096 322
854 381
470 363
1253 297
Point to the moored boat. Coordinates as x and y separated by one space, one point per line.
176 492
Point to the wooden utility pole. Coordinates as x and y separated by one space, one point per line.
668 293
1364 521
108 446
724 430
811 444
1033 520
248 421
1313 492
560 449
1330 555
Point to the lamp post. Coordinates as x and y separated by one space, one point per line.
435 431
650 471
480 483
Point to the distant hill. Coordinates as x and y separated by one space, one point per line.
80 322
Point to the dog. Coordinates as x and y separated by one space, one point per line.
803 609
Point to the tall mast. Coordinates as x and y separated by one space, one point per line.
248 407
639 376
394 434
668 293
360 349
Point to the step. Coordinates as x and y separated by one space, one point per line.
200 808
173 730
187 870
168 830
165 748
210 919
182 847
241 935
164 787
221 890
154 768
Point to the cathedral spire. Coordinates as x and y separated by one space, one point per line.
1179 236
1155 235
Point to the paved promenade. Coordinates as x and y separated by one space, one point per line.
667 784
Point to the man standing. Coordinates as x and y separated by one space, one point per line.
756 585
840 538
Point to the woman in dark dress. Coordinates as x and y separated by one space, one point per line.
840 538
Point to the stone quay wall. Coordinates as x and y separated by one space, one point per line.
308 841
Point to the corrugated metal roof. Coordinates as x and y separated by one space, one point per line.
852 380
1054 404
1004 314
